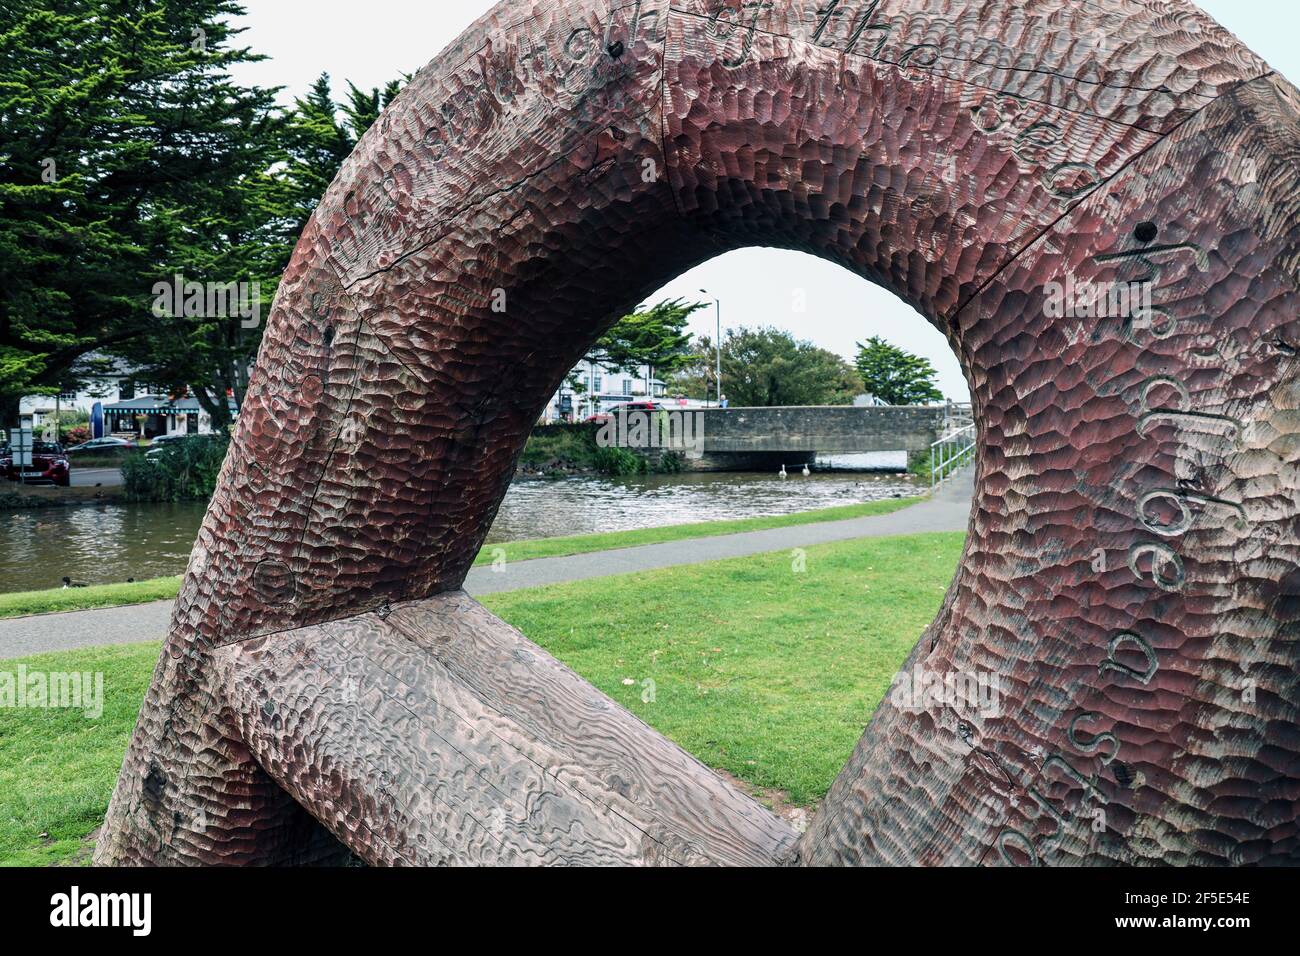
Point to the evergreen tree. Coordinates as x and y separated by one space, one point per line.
896 376
319 135
255 218
655 337
125 142
766 367
131 156
362 109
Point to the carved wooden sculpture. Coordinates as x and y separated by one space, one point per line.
1132 573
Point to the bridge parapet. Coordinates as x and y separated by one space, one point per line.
821 429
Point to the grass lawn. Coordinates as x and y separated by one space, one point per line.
19 603
758 669
57 767
22 603
586 543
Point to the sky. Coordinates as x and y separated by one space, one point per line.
374 41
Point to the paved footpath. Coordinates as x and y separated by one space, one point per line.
95 477
948 510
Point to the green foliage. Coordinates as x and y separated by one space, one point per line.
670 463
768 366
69 427
920 466
945 460
618 461
319 134
896 376
185 470
563 449
128 154
251 224
767 674
75 435
571 446
656 337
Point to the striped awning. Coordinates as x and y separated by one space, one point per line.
145 405
157 405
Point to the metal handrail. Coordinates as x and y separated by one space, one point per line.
953 451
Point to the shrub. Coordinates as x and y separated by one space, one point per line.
671 462
572 445
618 461
920 467
76 435
185 471
558 450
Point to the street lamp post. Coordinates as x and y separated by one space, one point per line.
717 348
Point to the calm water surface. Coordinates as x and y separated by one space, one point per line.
109 543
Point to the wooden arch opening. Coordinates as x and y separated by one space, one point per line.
1132 573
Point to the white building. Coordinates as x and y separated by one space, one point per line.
602 389
150 416
99 379
132 406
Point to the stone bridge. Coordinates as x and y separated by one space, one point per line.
761 438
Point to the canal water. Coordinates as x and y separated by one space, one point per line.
103 544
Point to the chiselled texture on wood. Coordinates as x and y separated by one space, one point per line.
1132 578
1134 566
440 735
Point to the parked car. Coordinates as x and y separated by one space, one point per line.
164 442
49 465
601 417
107 443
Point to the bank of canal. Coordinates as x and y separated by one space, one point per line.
111 542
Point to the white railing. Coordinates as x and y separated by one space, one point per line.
953 451
957 415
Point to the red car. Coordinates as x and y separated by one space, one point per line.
602 417
49 465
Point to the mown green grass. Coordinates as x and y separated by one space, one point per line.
22 603
587 543
759 669
57 767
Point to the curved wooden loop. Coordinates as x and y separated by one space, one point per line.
987 161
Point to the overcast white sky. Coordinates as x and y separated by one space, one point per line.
373 41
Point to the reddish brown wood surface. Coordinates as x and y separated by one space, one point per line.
1132 576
